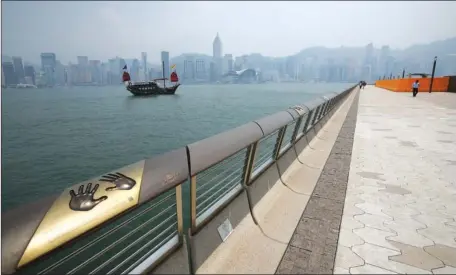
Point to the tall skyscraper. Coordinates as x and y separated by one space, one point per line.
383 61
48 62
144 65
227 63
18 69
84 71
134 70
59 73
200 69
29 72
95 71
9 74
217 47
104 73
369 54
217 57
165 59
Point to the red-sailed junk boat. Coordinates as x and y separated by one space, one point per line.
151 87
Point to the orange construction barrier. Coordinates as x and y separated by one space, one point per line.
405 84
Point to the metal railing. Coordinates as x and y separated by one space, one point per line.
129 220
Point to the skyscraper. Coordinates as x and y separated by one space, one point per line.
95 71
217 56
29 72
18 69
383 61
200 69
227 63
48 62
9 74
144 65
165 59
217 47
84 71
134 70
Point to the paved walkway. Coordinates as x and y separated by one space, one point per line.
400 207
312 248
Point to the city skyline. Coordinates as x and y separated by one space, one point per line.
157 62
106 29
367 63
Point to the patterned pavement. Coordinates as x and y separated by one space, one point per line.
400 208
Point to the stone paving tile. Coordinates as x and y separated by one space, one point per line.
369 269
444 253
416 256
348 239
408 188
379 256
445 270
440 235
373 209
375 236
349 222
339 270
346 258
312 248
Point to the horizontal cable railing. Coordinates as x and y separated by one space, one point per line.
218 184
129 220
264 153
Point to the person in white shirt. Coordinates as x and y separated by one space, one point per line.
415 87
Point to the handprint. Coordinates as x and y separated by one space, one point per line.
84 201
121 181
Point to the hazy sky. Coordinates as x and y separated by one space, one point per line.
103 30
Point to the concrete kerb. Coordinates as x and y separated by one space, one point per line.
287 157
300 256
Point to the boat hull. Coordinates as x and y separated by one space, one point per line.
151 89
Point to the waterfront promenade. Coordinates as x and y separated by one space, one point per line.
367 187
373 192
399 210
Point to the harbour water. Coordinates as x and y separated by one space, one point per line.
52 138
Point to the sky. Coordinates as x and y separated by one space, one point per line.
102 30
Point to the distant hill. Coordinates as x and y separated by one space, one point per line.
428 51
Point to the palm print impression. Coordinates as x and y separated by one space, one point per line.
83 200
120 181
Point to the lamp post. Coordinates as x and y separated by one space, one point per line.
433 72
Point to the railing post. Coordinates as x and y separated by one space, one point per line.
179 211
279 140
317 110
331 101
309 116
296 129
193 202
325 106
248 163
247 172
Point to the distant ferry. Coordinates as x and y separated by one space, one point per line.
25 86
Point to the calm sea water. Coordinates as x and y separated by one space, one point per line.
53 138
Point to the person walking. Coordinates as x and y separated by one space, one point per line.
415 87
